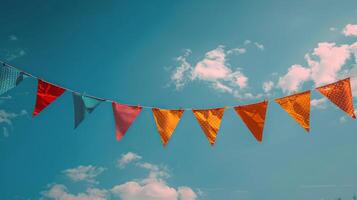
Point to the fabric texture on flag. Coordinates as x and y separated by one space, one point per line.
253 116
83 105
298 107
340 94
210 122
9 78
46 94
124 116
166 122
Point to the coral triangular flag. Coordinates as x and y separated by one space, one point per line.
9 78
298 107
166 122
82 106
46 94
253 116
124 116
340 94
210 121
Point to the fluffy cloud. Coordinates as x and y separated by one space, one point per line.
178 77
318 103
128 158
324 65
60 192
151 187
350 30
292 81
259 46
213 69
7 117
237 51
331 59
84 173
268 86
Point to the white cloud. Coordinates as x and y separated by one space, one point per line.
319 103
268 86
84 173
128 158
60 192
350 30
237 51
15 54
7 117
151 187
292 81
13 37
247 42
332 29
259 46
331 58
186 193
325 65
221 87
213 69
182 71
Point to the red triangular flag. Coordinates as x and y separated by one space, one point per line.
340 94
124 116
253 116
46 94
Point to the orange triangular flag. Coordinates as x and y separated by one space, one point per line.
166 122
340 94
298 107
210 121
253 116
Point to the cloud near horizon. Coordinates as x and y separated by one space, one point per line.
151 187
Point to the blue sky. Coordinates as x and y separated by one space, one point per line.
188 54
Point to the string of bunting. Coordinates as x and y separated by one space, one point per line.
253 115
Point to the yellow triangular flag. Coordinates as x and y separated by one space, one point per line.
166 122
210 121
340 94
298 107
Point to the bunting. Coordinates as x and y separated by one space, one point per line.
124 116
83 105
166 122
298 107
340 94
46 94
253 116
210 121
9 78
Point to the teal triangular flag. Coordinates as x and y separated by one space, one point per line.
82 106
9 78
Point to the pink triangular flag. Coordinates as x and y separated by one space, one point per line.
124 116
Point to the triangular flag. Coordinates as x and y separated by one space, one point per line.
253 116
210 121
46 94
82 106
166 122
9 78
340 94
298 107
124 116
